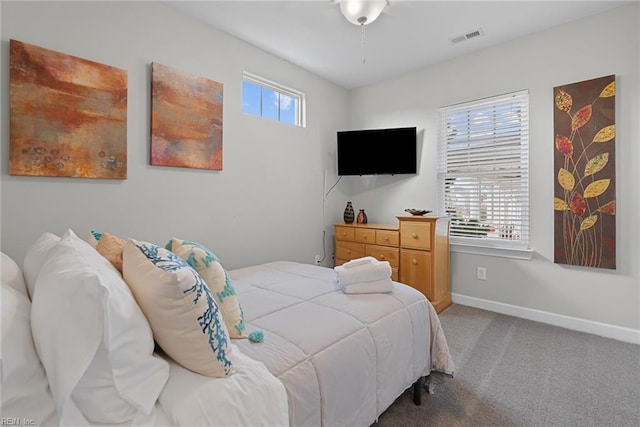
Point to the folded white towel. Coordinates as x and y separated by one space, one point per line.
359 261
377 286
368 272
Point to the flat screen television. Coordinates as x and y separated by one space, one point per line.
377 151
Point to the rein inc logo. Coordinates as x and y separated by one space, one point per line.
16 421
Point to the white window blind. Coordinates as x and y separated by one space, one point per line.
483 171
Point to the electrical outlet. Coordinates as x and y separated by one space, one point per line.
318 259
481 273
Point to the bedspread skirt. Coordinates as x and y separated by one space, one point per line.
343 358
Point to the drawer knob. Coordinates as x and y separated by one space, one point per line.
386 239
414 261
381 256
344 234
349 251
414 235
364 236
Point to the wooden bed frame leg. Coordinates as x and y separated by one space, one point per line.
417 392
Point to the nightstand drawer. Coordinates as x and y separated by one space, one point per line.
345 233
383 253
416 235
349 250
387 237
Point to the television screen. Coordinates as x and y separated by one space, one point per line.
377 151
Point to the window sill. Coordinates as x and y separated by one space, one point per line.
514 253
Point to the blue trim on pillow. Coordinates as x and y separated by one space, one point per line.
210 256
240 326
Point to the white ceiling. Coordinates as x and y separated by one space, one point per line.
409 34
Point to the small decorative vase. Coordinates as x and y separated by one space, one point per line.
362 217
349 214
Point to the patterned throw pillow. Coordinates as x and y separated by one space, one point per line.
111 247
217 278
184 317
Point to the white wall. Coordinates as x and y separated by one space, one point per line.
265 205
593 47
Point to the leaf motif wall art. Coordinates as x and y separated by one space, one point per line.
186 119
584 173
68 115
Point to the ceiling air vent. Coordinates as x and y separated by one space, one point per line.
472 34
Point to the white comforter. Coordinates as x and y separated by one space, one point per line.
249 397
343 359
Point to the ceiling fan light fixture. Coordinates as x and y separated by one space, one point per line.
362 12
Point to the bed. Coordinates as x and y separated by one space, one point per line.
326 358
343 358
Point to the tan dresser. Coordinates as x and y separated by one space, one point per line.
376 240
424 257
417 249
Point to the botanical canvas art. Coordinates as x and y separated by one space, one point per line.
584 167
186 120
68 116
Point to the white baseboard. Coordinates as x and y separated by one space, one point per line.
597 328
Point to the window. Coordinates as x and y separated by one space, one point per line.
483 173
271 100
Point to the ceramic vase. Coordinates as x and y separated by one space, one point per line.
349 214
362 217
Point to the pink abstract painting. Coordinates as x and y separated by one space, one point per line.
186 120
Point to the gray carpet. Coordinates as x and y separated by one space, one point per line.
515 372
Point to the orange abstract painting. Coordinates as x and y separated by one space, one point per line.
186 120
68 116
585 173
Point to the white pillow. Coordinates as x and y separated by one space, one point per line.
183 314
12 274
92 338
35 257
25 390
207 264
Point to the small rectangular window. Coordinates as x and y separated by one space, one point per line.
264 98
